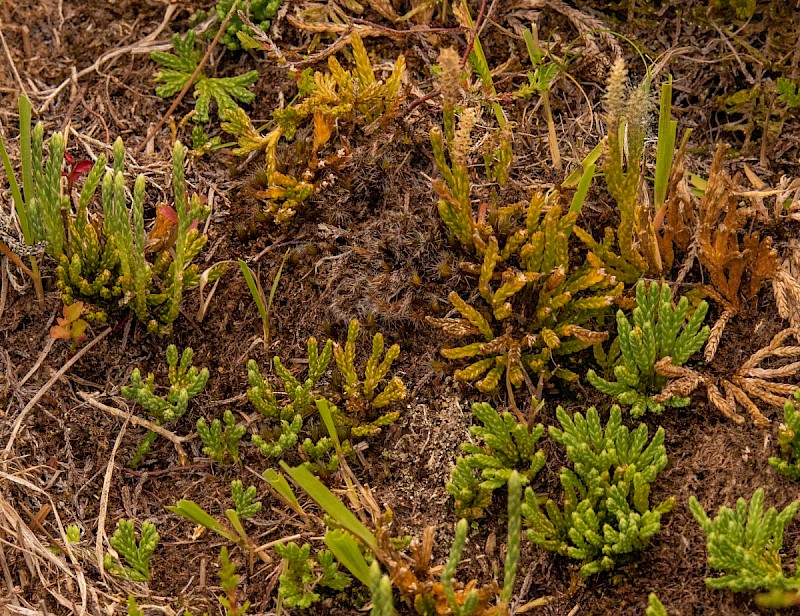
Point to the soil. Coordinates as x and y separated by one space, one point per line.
373 248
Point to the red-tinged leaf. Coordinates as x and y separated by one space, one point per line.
73 311
78 328
69 158
57 332
82 167
162 235
168 213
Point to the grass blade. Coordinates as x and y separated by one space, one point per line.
272 290
27 163
282 487
574 178
19 204
583 187
345 549
258 296
324 408
667 130
194 513
330 503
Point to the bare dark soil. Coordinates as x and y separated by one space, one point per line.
371 249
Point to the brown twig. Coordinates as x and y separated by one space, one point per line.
101 518
420 30
189 83
473 34
171 436
167 471
15 259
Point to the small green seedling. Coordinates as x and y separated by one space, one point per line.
73 532
186 381
229 582
263 303
133 560
540 80
221 443
304 573
179 68
789 439
745 544
71 326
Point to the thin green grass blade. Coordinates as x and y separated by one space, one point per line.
583 187
272 291
258 297
330 503
193 512
345 549
19 204
26 157
233 518
667 130
533 53
281 486
324 408
574 178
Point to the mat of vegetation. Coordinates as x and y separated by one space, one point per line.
399 306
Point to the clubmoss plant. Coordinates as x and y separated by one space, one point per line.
789 439
181 65
185 382
133 561
243 500
286 420
539 311
260 12
106 264
507 446
303 574
641 242
363 397
89 265
738 260
654 606
606 514
745 543
380 588
324 102
660 329
221 443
